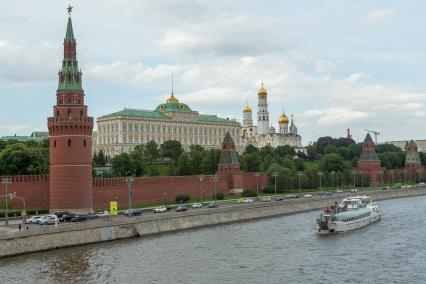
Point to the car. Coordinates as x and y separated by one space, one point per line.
33 219
103 214
132 212
81 218
248 200
197 205
327 193
292 196
385 188
168 207
265 199
307 195
92 216
213 205
67 217
161 209
421 184
49 220
354 190
181 208
279 198
339 190
60 215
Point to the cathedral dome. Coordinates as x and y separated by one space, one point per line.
283 119
262 93
246 109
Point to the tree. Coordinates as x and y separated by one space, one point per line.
210 161
138 160
330 149
122 165
171 149
196 156
101 158
332 162
285 151
182 198
183 165
382 148
251 162
322 142
344 152
251 149
18 159
355 150
311 150
151 152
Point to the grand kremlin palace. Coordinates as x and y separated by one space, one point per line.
122 131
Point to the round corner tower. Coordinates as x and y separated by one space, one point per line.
70 131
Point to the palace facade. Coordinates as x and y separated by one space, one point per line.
122 131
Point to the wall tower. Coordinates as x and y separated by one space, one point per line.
70 131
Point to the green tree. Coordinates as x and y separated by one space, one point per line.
332 162
312 152
122 165
344 152
101 158
171 149
285 151
330 149
151 152
183 165
138 160
251 149
210 161
355 150
251 162
18 159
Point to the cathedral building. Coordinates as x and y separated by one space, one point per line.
122 131
264 134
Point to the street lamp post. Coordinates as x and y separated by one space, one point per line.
332 173
405 177
6 181
275 175
215 180
353 173
257 184
201 188
320 174
299 174
362 180
130 181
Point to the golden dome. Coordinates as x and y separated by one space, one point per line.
283 119
246 109
262 92
172 99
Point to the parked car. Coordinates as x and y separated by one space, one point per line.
92 216
279 198
292 196
328 193
265 199
339 190
181 208
197 205
103 214
60 215
168 207
213 205
385 188
248 200
354 190
420 184
161 209
49 220
33 220
67 217
81 218
133 212
307 195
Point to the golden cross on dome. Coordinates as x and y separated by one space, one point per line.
69 10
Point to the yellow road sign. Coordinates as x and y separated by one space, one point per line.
113 207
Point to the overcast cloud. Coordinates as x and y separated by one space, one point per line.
333 64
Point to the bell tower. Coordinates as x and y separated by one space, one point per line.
70 131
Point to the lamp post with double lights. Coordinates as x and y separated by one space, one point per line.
275 175
130 181
215 180
201 188
257 175
6 181
320 174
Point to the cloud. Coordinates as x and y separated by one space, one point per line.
12 129
334 115
380 16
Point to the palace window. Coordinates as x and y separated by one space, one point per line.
54 143
84 143
69 142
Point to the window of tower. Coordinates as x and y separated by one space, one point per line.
57 113
54 143
84 143
81 113
69 114
68 100
69 142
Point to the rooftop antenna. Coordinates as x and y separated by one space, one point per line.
172 83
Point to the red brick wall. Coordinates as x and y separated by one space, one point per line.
35 189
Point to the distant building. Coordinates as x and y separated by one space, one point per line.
369 162
264 134
421 144
35 136
412 158
122 131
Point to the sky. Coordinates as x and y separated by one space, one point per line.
332 64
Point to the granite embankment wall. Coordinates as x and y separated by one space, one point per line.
15 243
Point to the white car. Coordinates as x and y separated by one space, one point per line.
307 195
197 205
49 220
248 200
33 220
354 190
103 214
161 209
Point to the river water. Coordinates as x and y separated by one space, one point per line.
277 250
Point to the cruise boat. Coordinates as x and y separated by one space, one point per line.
352 213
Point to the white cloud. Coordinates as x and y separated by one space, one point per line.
12 129
380 16
334 115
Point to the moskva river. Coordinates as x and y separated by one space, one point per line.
277 250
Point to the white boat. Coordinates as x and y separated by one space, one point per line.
351 214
